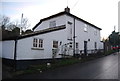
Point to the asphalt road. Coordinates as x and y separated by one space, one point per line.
0 69
101 68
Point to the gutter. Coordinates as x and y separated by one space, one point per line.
15 50
74 39
15 54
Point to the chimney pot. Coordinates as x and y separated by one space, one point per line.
67 9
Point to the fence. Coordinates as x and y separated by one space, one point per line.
67 51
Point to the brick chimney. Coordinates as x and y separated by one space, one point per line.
67 9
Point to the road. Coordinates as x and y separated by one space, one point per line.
0 69
101 68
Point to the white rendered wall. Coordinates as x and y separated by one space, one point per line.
24 46
82 36
8 49
0 49
60 20
101 45
24 50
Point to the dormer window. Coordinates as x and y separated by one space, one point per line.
52 24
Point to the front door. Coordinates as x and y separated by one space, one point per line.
85 47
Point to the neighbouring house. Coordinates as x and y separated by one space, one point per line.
57 36
107 46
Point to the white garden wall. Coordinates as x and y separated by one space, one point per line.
8 49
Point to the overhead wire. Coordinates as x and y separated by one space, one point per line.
75 4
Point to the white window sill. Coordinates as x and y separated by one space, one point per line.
37 48
54 48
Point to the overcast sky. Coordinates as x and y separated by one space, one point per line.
102 13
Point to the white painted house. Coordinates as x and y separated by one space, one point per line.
62 34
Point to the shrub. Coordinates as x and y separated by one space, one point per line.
109 52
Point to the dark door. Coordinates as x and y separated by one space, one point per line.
85 47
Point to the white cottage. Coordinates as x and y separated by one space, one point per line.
57 36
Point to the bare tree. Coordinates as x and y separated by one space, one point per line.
11 26
4 21
25 23
7 25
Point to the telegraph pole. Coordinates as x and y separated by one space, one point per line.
114 28
21 24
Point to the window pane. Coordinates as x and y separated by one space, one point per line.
40 43
76 45
37 43
95 45
53 24
85 27
55 44
70 46
34 42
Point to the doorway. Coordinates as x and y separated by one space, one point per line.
85 47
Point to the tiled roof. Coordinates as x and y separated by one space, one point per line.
37 32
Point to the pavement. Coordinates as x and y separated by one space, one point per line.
101 68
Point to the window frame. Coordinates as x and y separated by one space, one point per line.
40 43
70 30
85 28
95 45
77 45
37 43
52 24
70 45
55 44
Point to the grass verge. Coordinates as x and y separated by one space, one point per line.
64 62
